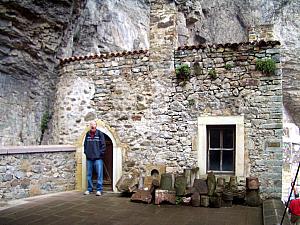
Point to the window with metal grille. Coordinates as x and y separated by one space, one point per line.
221 148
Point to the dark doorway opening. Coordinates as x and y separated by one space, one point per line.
107 166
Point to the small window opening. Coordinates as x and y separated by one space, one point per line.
154 173
221 148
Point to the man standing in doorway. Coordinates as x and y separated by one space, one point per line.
94 149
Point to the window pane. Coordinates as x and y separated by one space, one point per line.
228 161
214 160
228 138
214 138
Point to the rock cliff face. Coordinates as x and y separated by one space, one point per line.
287 28
30 35
108 25
34 34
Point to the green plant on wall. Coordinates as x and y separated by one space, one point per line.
183 72
44 123
228 66
191 102
267 66
213 73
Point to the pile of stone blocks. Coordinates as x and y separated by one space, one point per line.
159 187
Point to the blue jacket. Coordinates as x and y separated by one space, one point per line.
94 148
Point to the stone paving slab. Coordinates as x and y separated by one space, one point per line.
273 210
111 209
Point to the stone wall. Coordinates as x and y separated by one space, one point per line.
30 171
238 90
115 89
155 114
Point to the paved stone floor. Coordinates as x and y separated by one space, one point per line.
111 209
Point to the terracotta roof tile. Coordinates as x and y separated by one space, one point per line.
230 45
100 56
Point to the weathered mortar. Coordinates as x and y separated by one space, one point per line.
240 90
160 126
156 116
36 171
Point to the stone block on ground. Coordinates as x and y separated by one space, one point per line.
142 196
215 201
165 196
195 200
239 196
191 175
148 182
253 198
227 195
166 182
204 200
180 185
128 182
220 184
201 186
226 203
211 183
252 183
190 191
154 186
233 184
155 171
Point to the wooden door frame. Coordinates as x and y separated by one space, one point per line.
118 152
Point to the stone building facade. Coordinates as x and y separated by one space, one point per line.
154 117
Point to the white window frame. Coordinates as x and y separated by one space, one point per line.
238 121
221 149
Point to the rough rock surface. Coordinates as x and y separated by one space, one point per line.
30 35
108 25
34 33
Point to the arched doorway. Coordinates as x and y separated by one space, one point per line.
113 163
107 166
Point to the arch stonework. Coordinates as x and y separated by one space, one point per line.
118 156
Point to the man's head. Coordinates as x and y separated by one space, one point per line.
93 126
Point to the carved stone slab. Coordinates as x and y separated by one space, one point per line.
201 186
142 196
165 196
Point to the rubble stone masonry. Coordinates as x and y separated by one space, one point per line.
155 114
36 170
